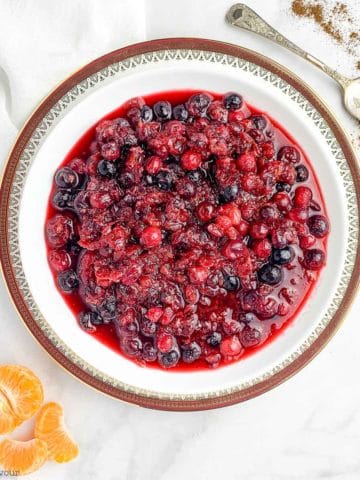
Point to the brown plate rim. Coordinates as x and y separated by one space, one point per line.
7 181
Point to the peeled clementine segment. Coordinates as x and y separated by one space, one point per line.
7 419
22 457
22 389
50 428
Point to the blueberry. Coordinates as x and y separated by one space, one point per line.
146 114
270 274
214 339
73 247
194 175
180 113
282 256
197 104
66 178
230 193
250 337
131 346
149 352
282 187
162 110
68 281
258 121
147 327
169 359
191 352
126 180
232 101
108 309
63 200
288 154
314 259
89 320
106 169
318 226
231 282
163 180
149 179
302 173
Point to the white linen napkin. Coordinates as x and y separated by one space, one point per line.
43 41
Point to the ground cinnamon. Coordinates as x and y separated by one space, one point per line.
335 21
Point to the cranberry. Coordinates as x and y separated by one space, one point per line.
59 260
218 112
190 160
235 249
153 165
247 162
259 230
101 200
110 151
68 281
299 214
205 211
230 347
319 226
307 241
289 154
198 275
232 101
262 249
198 104
282 201
314 259
191 352
58 230
66 178
154 314
147 327
268 213
151 237
270 274
302 197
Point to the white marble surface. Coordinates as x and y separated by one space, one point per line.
307 428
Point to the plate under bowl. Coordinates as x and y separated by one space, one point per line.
99 88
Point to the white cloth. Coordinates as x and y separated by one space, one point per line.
306 429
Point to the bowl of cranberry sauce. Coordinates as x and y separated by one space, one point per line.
186 230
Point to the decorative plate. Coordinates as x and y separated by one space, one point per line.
78 103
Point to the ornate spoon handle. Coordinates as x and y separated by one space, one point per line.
242 16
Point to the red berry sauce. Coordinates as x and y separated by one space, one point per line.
186 229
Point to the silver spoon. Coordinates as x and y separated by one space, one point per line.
242 16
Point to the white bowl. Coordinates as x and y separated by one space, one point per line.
89 95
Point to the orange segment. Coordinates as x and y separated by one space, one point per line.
23 457
7 419
50 428
22 389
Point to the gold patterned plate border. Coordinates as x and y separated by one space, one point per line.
91 76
